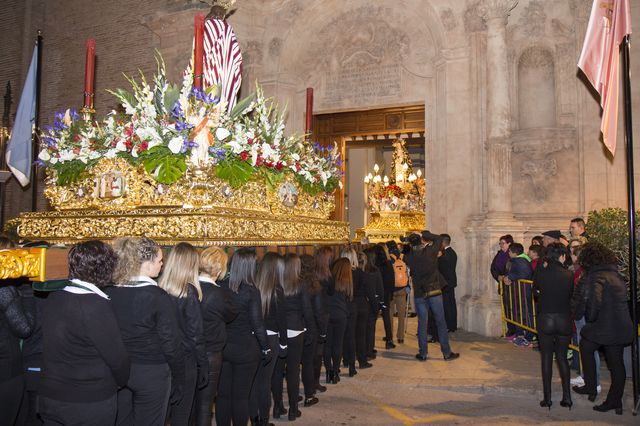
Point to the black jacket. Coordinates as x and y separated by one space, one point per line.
217 310
447 267
276 318
299 312
320 306
189 318
148 324
249 319
15 324
388 278
553 287
601 297
85 359
423 267
370 288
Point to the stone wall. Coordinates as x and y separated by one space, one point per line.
512 138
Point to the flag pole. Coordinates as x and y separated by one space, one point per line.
35 137
633 275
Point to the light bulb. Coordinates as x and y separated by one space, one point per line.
377 178
419 173
386 179
370 176
376 168
405 166
366 179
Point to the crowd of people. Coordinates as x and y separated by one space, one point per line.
579 295
132 338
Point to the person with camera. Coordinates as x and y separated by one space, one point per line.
428 284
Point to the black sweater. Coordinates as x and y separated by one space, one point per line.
423 266
276 317
300 313
190 325
554 287
320 307
217 311
15 324
148 324
364 286
249 320
85 359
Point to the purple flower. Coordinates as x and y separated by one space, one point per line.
38 163
219 153
176 111
181 125
339 162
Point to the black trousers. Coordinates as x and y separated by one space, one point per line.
180 413
28 415
386 316
333 345
10 397
349 345
361 329
288 367
206 396
308 368
260 396
450 308
317 361
554 335
62 413
371 330
615 363
240 361
145 399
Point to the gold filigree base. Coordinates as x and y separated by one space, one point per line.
168 226
385 226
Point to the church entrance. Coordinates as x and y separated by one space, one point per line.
365 138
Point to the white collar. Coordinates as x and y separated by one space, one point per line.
207 280
141 281
84 288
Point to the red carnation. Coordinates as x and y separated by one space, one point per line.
244 155
279 165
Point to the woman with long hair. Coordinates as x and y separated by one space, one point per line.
148 324
217 311
601 296
246 342
365 300
312 286
180 280
85 359
350 334
268 282
322 275
300 330
383 262
376 265
338 313
553 284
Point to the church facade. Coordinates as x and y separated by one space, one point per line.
512 142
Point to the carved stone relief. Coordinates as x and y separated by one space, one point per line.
539 170
534 19
473 22
252 53
448 19
275 47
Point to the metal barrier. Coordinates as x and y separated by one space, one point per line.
520 309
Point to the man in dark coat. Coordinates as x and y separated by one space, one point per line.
447 267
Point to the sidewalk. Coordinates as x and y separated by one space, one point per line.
493 382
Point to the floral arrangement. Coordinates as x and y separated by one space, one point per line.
168 129
390 191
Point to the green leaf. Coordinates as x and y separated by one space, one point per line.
236 172
123 96
171 96
165 166
241 106
213 91
70 171
271 177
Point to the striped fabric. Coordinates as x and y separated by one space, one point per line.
222 60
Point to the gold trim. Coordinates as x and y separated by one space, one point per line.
16 263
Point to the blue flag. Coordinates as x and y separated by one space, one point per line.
19 155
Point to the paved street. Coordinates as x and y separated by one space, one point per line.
493 382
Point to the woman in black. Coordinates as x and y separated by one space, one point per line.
338 312
601 295
268 282
383 262
300 331
320 300
314 289
180 280
85 360
246 342
15 324
217 311
365 300
373 278
553 285
349 348
148 324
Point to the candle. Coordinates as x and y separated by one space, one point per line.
89 70
309 115
198 54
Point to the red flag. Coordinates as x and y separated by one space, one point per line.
610 21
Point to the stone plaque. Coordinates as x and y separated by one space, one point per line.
363 84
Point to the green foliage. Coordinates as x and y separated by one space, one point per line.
71 171
240 107
236 172
165 166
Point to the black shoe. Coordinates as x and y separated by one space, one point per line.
372 356
336 378
255 421
366 365
401 341
374 351
329 378
546 403
413 315
604 407
421 357
308 402
452 356
389 344
294 414
300 398
320 388
352 370
278 410
566 402
582 390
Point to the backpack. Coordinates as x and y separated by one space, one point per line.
400 271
